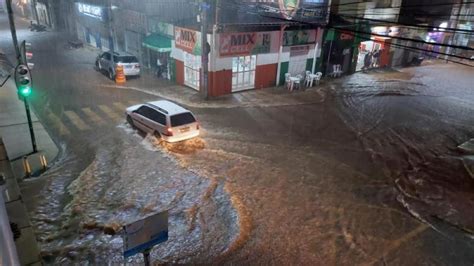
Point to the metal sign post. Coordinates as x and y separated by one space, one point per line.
141 236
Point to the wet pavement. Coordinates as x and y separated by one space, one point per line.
368 175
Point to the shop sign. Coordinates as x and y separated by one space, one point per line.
186 39
393 31
380 30
299 50
244 43
91 10
288 8
297 37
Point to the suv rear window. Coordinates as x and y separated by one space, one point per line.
182 119
125 59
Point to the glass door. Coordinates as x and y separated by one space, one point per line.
243 72
192 66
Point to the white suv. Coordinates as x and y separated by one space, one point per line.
131 66
164 119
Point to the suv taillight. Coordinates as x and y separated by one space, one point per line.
197 126
168 132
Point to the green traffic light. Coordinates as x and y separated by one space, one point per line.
26 91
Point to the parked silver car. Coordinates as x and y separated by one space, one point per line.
131 66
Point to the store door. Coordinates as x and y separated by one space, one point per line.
243 72
192 66
298 58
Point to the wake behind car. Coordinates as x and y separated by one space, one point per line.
131 66
163 119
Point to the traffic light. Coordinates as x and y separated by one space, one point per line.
23 81
27 54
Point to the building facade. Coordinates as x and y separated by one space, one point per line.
92 24
250 50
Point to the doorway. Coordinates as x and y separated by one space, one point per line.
243 72
298 58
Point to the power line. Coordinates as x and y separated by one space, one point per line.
399 38
408 24
411 48
409 6
418 5
280 11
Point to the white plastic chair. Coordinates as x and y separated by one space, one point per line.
288 83
298 81
318 76
308 79
334 71
338 70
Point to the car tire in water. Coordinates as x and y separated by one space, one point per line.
157 135
130 121
111 74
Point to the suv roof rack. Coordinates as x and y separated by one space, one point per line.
158 108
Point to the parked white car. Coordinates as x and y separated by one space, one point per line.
163 119
131 66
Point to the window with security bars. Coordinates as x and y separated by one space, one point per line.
243 72
192 66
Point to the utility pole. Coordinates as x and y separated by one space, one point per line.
111 31
30 125
204 6
11 19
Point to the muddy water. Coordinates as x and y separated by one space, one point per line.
413 127
361 178
78 215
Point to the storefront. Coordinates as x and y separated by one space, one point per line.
378 45
244 60
338 51
133 24
242 49
301 52
158 46
92 25
43 15
186 53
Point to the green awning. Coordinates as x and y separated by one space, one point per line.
157 42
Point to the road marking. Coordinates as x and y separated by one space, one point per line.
109 112
120 106
93 116
76 120
62 128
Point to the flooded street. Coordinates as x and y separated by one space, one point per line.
371 175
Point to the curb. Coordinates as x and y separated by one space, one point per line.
211 104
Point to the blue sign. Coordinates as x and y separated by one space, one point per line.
91 10
157 239
142 235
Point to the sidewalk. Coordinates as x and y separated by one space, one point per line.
15 144
150 84
267 97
